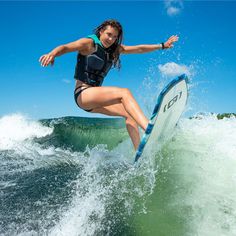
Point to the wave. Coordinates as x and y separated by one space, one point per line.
50 185
78 132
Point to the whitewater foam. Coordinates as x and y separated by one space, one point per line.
191 179
16 128
210 146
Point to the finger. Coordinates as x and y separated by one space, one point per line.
43 62
174 37
48 61
41 58
174 40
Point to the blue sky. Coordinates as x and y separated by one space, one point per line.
206 50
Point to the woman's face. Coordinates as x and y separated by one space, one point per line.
108 36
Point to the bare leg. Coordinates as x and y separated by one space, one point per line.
97 97
131 125
133 131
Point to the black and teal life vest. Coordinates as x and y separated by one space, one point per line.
93 68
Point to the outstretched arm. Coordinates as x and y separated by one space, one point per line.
82 45
149 47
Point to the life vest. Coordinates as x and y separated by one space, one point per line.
93 68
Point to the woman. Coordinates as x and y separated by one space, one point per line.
97 53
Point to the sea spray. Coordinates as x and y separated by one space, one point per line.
194 192
187 187
47 189
16 128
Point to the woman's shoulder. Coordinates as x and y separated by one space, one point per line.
86 41
83 45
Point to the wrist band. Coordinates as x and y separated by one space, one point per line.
163 46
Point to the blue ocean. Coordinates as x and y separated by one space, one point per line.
74 176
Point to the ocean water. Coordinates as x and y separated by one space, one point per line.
74 176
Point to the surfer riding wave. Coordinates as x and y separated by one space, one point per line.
97 54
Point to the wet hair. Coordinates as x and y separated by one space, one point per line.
114 48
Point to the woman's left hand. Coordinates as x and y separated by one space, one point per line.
170 41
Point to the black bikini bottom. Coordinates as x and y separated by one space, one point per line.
76 95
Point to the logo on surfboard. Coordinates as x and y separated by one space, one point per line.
172 101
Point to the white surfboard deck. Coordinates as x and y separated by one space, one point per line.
169 106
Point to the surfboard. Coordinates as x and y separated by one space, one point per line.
169 107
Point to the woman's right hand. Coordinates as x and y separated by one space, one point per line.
47 59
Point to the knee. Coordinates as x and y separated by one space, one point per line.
126 93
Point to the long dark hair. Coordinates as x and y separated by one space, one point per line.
114 48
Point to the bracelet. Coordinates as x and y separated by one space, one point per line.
162 46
